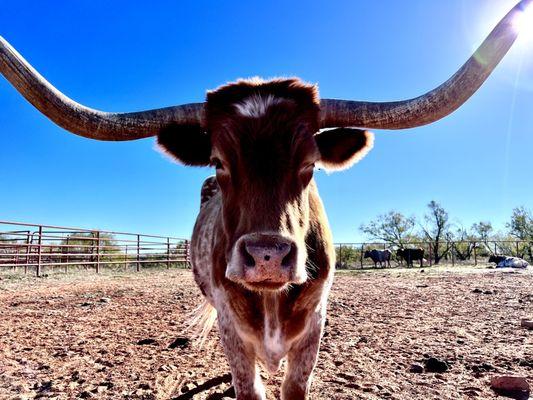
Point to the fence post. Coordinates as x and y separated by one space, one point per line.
453 254
340 256
362 251
168 252
97 252
475 253
40 242
68 253
138 253
187 261
28 251
430 255
126 258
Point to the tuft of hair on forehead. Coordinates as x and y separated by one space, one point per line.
252 97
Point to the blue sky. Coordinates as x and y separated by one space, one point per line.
123 56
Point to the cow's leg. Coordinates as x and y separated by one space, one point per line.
301 361
241 358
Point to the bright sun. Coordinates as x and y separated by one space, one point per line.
524 24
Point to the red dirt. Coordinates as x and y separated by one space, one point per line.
77 337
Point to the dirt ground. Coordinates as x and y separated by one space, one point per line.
113 336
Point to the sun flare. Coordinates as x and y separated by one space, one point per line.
523 23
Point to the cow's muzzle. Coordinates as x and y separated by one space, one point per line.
264 261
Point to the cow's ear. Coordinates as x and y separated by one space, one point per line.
341 148
188 144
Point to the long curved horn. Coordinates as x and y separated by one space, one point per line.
437 103
84 121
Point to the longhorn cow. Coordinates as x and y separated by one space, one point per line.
262 251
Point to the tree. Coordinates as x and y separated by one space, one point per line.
393 228
85 244
347 255
437 230
484 232
521 227
463 243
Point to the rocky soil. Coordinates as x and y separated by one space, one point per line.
390 335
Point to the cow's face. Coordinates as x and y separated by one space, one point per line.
262 139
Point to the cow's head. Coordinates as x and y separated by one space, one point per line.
263 139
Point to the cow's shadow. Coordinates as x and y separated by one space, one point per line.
226 378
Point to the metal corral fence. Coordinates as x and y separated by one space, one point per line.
351 255
42 248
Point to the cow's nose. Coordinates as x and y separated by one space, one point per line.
268 258
258 253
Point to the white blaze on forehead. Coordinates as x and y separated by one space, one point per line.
256 105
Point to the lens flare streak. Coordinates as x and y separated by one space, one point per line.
523 24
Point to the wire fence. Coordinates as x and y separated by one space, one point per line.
465 253
42 248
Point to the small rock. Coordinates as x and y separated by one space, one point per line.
368 388
143 342
187 387
484 367
180 342
527 323
433 364
168 368
507 383
488 292
526 363
416 368
86 304
105 300
477 290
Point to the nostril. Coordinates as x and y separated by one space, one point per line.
267 258
284 248
290 259
249 261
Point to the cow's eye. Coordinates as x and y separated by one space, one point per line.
215 162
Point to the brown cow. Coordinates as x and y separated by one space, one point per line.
262 252
261 248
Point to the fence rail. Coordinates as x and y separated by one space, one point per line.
472 252
39 248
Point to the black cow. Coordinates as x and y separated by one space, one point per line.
497 259
379 256
410 255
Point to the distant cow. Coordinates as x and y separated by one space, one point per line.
379 256
508 262
410 255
